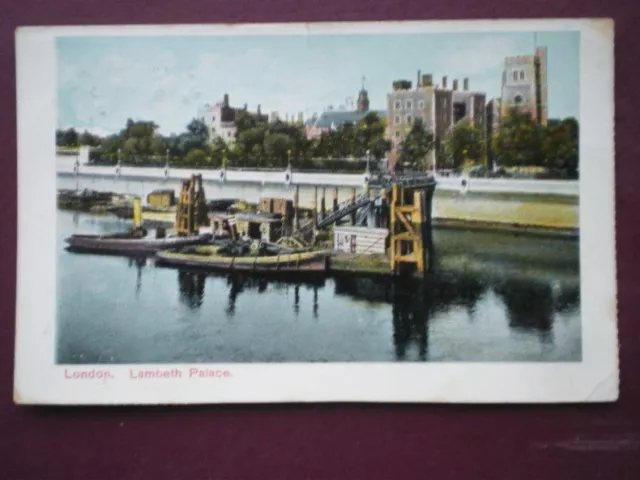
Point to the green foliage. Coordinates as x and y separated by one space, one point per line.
276 146
67 138
466 142
520 141
560 146
196 158
416 146
87 138
258 143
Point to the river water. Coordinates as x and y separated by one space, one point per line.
493 297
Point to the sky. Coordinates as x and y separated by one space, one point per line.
102 81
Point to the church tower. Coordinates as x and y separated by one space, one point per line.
363 99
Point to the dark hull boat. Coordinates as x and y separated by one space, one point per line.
129 244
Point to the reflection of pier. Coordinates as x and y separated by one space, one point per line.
415 305
410 319
191 288
530 305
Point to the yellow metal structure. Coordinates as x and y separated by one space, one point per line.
192 207
161 198
406 229
137 212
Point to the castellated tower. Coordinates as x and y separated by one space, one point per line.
524 85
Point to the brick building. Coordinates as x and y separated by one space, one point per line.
524 85
439 107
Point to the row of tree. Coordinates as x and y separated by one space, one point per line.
520 141
258 144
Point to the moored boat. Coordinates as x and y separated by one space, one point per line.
131 244
212 258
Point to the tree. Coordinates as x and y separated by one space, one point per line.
519 140
159 145
276 146
369 136
89 139
196 158
416 146
561 148
219 151
466 142
198 131
67 138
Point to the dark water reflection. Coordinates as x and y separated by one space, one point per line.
117 310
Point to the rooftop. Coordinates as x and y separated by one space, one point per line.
336 118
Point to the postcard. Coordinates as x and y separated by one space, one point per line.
331 212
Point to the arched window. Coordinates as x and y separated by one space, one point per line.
521 74
515 75
517 99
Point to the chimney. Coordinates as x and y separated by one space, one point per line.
259 112
245 107
418 84
465 84
455 84
225 101
444 82
427 80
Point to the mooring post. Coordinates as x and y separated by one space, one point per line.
371 213
353 200
314 212
384 209
335 199
296 212
323 211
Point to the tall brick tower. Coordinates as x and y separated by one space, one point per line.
524 85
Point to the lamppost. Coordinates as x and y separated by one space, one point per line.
119 165
166 165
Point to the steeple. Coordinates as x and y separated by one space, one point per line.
363 98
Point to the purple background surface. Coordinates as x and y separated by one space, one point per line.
327 441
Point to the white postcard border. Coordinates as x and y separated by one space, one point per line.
39 381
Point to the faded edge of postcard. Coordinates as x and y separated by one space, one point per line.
229 229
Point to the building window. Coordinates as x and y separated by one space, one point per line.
397 105
397 134
421 104
409 119
515 76
517 99
521 74
397 119
444 103
409 104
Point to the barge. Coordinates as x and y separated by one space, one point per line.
129 243
218 259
